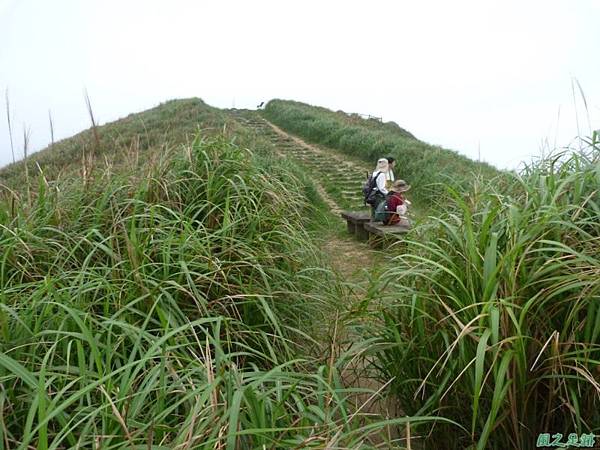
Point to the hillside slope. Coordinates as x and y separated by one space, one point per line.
426 167
154 130
161 288
184 305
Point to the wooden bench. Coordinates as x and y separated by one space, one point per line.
359 224
379 233
356 221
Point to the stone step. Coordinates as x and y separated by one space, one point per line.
286 146
301 151
350 179
349 191
302 155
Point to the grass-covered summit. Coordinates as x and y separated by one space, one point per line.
164 284
164 292
426 167
146 134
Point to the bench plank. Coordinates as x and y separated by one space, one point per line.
379 234
360 225
356 216
355 221
382 230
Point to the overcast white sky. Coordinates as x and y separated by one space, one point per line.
467 75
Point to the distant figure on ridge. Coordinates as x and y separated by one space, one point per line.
261 105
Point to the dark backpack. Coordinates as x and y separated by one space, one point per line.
370 189
382 212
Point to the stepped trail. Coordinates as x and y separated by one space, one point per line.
333 175
337 173
352 260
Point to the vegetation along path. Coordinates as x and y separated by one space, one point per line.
335 175
338 182
162 292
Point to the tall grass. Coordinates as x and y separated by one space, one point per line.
9 123
427 167
493 318
170 308
153 131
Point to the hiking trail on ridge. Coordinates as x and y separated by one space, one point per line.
338 181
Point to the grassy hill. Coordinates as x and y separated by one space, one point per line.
428 168
161 287
165 292
151 132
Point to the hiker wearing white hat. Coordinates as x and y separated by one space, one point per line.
383 167
376 185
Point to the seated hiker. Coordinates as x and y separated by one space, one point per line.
395 204
376 190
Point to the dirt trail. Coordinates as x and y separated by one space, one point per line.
347 255
334 173
297 140
352 260
334 160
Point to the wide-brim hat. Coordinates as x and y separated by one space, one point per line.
400 186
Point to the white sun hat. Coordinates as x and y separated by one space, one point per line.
382 165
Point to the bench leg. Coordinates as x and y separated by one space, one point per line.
351 227
361 233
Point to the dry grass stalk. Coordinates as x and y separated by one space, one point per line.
26 134
51 129
12 147
96 147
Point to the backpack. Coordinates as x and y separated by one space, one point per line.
370 190
381 212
